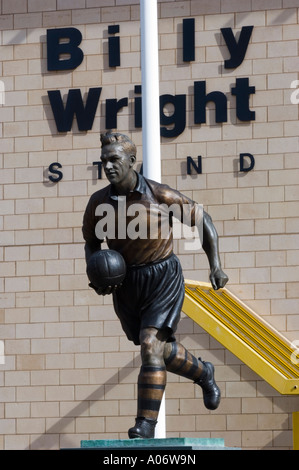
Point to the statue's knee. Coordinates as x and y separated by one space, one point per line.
151 350
147 348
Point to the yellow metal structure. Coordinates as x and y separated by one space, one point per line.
244 333
296 430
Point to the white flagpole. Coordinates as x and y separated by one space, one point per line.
151 117
150 90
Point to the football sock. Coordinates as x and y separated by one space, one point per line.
151 386
181 362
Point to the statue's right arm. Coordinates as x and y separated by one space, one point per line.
90 249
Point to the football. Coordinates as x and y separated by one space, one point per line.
106 268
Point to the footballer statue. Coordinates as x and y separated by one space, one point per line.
144 275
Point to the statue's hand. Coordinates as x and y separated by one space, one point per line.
104 290
218 278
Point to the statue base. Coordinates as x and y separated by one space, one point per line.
174 443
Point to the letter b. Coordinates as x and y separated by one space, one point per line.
55 48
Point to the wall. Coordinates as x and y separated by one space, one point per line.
69 372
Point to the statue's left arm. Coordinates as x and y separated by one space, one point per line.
191 213
210 245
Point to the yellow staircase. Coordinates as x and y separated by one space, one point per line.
254 341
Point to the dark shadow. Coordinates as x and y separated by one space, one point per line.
83 406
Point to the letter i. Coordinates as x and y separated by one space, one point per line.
138 107
188 39
114 46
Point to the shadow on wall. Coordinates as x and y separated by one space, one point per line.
281 406
81 408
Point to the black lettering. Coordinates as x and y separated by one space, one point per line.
191 163
188 39
112 108
201 99
74 107
177 118
250 166
237 49
99 165
56 48
114 46
242 91
138 107
53 169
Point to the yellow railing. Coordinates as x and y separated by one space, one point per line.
244 333
248 336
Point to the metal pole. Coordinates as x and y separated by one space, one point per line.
150 90
151 117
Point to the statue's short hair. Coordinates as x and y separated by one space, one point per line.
116 138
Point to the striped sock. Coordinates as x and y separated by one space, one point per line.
151 386
181 362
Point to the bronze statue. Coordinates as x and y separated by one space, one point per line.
149 301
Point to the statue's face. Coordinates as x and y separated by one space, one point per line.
117 163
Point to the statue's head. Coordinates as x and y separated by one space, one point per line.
115 138
118 156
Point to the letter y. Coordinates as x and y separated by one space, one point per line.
237 49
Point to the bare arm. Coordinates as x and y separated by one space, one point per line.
210 245
187 211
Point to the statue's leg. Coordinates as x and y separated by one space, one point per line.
151 384
181 362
